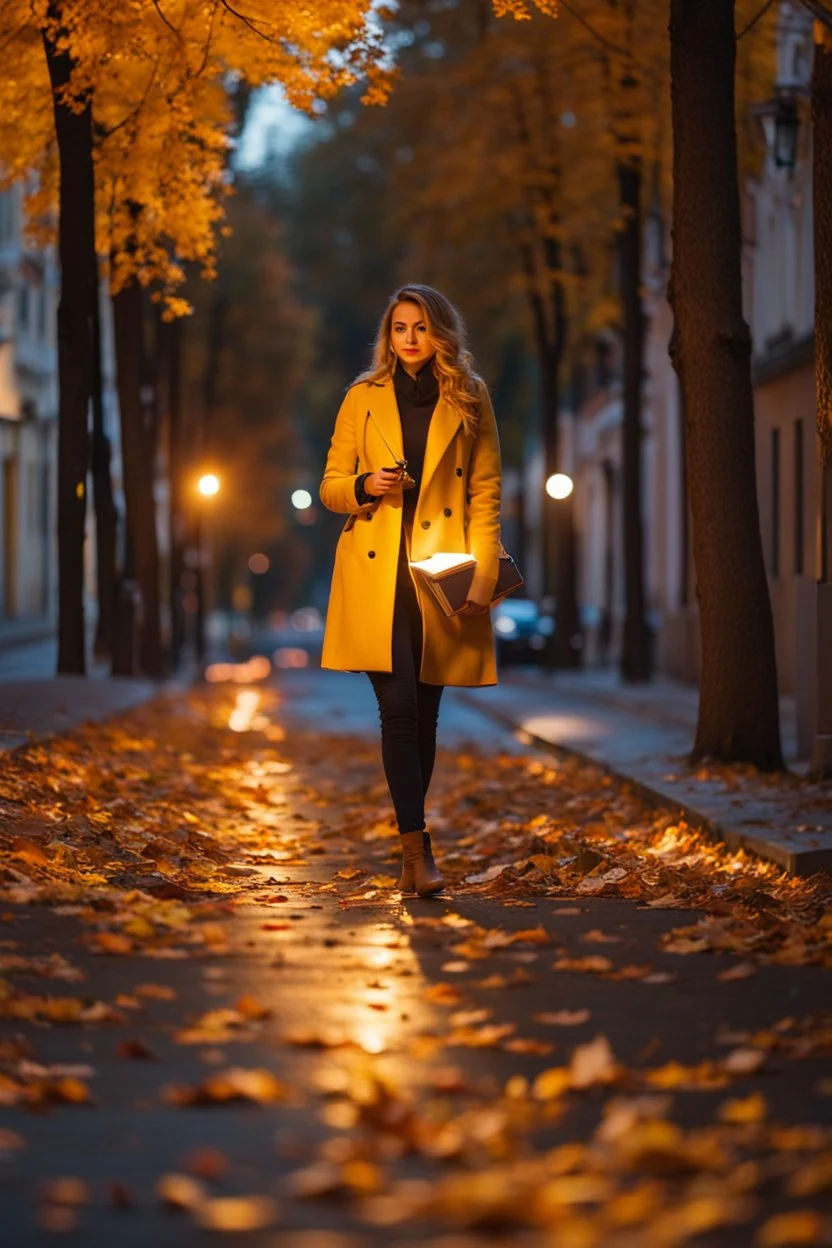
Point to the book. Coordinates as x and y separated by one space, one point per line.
448 577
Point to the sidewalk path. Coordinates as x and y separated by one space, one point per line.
643 734
39 707
217 1013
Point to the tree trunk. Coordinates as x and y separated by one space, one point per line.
711 351
635 654
822 205
76 253
684 509
138 448
106 515
176 467
559 563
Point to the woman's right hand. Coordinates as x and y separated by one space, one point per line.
382 482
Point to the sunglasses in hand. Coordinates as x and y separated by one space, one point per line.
407 482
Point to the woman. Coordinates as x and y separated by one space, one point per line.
422 404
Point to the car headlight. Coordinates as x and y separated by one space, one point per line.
505 626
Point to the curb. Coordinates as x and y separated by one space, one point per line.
16 641
798 862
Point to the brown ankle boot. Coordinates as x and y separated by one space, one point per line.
419 873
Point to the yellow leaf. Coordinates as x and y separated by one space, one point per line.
180 1191
551 1083
237 1213
593 1063
803 1226
749 1109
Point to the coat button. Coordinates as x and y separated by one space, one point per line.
371 554
426 524
447 512
368 515
459 472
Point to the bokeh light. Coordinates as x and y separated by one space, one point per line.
258 564
301 499
208 484
559 485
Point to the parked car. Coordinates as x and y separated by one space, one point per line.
520 631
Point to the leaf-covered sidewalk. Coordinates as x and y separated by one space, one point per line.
216 1012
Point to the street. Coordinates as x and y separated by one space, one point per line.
218 1014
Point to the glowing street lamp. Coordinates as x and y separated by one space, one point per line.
559 485
208 484
301 499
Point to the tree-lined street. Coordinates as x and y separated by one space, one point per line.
218 1013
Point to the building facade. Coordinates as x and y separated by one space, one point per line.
779 307
28 422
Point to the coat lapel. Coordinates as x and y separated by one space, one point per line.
443 426
385 413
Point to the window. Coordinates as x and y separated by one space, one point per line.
42 298
775 502
23 306
6 216
798 498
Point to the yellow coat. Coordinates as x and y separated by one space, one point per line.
458 510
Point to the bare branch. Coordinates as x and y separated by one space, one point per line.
755 20
820 10
209 40
596 34
12 35
249 22
157 6
134 112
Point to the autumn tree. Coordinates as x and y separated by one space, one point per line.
150 80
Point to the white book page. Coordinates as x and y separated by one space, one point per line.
443 562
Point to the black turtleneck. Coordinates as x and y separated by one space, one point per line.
416 398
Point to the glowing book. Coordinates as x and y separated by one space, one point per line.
449 577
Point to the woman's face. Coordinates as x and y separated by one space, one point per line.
409 336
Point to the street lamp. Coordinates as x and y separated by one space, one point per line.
559 485
208 484
786 126
779 120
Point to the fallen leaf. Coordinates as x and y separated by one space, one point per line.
236 1213
595 964
802 1226
593 1063
180 1191
742 970
751 1108
207 1163
563 1018
551 1083
65 1191
136 1049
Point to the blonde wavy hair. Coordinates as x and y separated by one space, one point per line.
459 385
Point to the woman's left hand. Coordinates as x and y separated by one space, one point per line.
474 608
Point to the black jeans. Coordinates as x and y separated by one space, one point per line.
409 712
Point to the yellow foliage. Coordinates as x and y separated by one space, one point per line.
156 75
